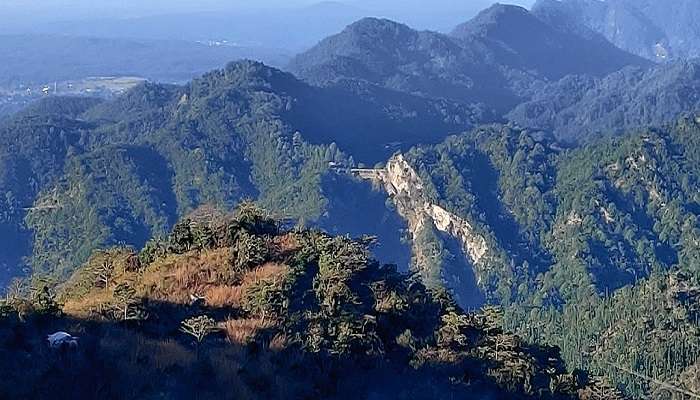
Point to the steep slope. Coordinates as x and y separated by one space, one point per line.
522 41
96 173
491 60
275 315
655 30
579 107
581 245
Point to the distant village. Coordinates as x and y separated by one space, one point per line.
15 98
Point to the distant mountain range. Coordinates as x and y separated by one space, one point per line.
289 28
522 160
494 59
657 30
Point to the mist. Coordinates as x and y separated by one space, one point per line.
290 25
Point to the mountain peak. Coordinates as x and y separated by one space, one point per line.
496 18
248 73
377 27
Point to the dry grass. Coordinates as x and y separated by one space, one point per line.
134 349
230 296
279 342
267 271
87 306
169 353
244 331
224 296
175 278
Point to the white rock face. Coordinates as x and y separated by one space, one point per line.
407 190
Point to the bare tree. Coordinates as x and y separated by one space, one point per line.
103 272
199 327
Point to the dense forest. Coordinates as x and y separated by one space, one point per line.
594 249
80 174
426 195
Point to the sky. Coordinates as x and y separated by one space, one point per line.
291 25
80 9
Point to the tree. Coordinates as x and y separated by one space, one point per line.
248 251
43 298
127 302
102 271
181 239
199 327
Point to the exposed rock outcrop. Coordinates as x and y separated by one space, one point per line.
405 187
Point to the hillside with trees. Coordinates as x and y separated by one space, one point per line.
593 249
235 307
578 108
80 174
520 174
493 60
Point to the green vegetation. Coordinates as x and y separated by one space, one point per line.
314 315
82 174
593 249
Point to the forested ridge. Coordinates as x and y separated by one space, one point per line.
527 176
79 174
493 60
594 249
235 307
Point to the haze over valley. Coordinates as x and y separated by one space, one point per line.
279 200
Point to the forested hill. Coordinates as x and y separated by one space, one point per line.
594 249
578 108
493 59
235 307
520 40
79 174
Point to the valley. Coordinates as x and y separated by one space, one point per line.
510 209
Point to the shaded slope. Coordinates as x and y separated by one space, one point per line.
650 29
526 42
493 59
247 131
282 315
578 107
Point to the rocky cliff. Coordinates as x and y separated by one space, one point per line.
407 191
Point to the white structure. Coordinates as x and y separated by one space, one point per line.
62 339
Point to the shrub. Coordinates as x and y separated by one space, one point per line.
248 251
43 298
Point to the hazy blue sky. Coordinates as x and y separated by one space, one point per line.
63 9
285 24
